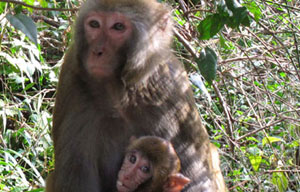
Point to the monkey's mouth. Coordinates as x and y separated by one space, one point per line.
122 188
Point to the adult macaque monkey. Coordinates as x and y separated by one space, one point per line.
150 165
119 78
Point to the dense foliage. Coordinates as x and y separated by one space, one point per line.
243 60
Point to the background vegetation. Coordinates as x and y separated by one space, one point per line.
247 52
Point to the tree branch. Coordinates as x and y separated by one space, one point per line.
36 7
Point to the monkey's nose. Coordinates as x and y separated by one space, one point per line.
98 51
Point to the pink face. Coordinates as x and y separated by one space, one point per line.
135 170
106 33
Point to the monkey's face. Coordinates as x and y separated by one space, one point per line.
106 34
136 170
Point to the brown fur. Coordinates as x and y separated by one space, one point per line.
163 157
149 94
164 164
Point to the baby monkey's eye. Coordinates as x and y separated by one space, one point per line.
132 159
145 169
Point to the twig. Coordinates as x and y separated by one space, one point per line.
238 185
36 7
182 5
196 10
280 42
257 130
46 20
282 5
227 114
185 43
287 170
294 35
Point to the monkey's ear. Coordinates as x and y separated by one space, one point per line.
164 22
176 182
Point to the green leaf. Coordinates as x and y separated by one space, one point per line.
204 28
255 157
230 13
252 139
2 6
43 3
37 190
280 180
254 9
268 139
254 151
239 14
29 2
255 161
30 85
25 24
282 74
210 26
207 64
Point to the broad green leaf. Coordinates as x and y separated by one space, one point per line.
210 26
280 180
255 161
204 28
230 13
223 10
268 139
254 9
252 139
207 64
29 2
254 151
43 3
232 4
240 14
24 24
2 6
217 24
295 144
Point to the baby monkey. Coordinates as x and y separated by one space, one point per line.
150 165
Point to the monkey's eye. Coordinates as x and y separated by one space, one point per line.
118 26
145 169
94 24
132 159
